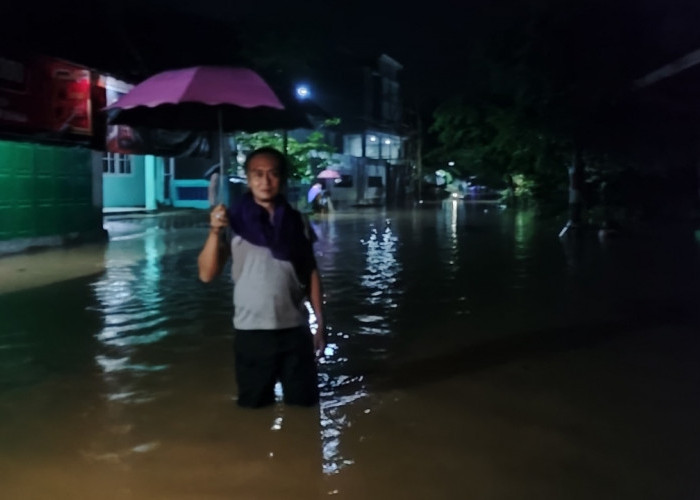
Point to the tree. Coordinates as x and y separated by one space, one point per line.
551 90
306 157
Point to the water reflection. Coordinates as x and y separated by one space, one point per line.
362 298
448 223
380 277
130 301
335 420
523 258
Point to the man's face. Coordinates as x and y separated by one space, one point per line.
264 178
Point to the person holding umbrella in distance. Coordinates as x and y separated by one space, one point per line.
274 271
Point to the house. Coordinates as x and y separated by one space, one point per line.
365 93
50 177
58 64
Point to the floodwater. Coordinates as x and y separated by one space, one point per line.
472 355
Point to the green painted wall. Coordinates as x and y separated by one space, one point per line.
46 191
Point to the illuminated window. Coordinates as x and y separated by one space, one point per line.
116 164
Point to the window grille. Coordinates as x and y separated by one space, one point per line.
116 164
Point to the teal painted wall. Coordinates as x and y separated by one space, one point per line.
150 181
46 191
125 190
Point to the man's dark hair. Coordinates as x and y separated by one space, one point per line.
281 158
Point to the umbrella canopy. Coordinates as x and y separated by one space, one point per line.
227 99
328 174
313 191
206 98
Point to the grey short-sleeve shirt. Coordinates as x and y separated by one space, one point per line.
267 294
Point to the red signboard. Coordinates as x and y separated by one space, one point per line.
40 94
69 100
120 138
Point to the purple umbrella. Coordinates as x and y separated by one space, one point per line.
221 98
328 174
313 192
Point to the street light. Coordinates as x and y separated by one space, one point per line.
303 92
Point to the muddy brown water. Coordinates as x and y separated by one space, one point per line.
472 355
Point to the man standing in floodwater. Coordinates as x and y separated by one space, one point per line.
274 271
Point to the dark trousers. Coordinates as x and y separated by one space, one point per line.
265 356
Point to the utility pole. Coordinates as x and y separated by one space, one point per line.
687 61
419 155
576 180
668 70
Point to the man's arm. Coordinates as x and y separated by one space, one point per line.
316 299
215 252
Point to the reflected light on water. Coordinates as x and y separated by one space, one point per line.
130 299
381 272
334 420
338 392
453 223
378 293
110 365
522 235
451 257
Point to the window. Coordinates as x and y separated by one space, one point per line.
345 181
116 164
374 181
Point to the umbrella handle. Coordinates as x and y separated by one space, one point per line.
223 181
221 192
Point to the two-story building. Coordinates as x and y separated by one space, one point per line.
365 93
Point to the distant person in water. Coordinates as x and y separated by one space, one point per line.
274 272
321 203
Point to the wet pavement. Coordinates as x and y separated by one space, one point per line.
472 354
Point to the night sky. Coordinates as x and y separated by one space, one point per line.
428 42
432 40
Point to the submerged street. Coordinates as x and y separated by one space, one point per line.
472 354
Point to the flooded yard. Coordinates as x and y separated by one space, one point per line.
472 354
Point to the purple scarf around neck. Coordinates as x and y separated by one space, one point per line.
285 235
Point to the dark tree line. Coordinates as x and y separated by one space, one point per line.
550 108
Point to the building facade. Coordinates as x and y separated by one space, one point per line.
50 174
372 163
